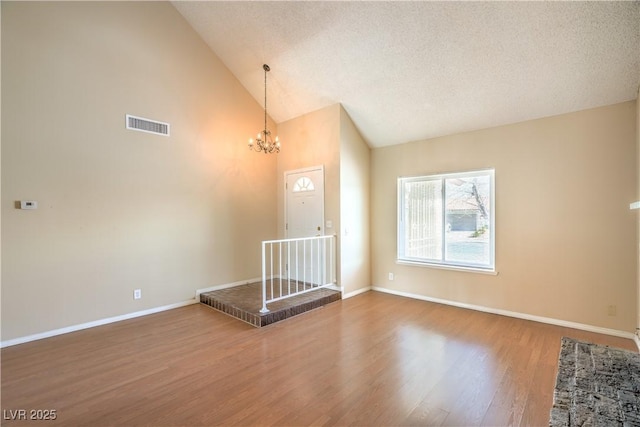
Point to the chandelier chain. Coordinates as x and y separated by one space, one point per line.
263 140
266 68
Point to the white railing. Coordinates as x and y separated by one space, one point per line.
296 266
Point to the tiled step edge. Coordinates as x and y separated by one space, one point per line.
236 312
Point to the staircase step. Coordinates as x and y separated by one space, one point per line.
244 303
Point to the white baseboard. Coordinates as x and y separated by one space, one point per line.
564 323
548 320
356 292
335 288
225 286
74 328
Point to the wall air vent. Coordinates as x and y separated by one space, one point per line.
147 125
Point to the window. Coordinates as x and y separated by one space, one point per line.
447 220
303 184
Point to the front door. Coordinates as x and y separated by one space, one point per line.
304 202
304 217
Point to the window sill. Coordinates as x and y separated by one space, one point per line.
448 267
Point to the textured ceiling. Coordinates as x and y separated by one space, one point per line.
407 71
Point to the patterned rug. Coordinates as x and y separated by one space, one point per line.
596 386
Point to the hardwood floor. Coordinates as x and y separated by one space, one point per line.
374 359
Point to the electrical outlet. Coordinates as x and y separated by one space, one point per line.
391 276
612 310
137 294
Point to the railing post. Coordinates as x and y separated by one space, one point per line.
264 308
334 256
280 265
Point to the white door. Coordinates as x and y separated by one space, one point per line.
304 201
304 217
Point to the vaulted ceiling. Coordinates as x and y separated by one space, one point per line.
407 71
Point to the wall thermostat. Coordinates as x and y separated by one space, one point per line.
28 204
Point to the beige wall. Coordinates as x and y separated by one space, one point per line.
120 210
312 140
355 207
328 137
565 238
638 199
0 166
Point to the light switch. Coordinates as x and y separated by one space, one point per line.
329 224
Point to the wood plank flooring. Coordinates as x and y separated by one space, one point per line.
374 359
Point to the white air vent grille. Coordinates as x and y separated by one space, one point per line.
147 125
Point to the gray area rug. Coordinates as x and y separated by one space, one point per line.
596 386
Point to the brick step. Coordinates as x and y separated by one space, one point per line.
244 303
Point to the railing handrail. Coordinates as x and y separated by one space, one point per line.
293 239
325 259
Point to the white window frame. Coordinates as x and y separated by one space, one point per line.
454 265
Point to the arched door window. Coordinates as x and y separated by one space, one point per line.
303 184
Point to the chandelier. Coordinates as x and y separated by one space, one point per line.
263 141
